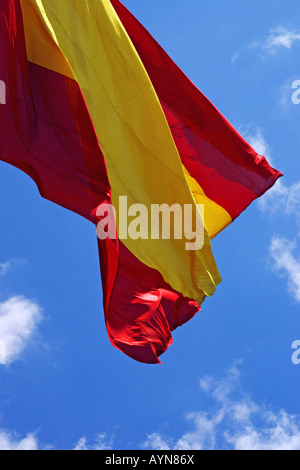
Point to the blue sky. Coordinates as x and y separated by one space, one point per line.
228 381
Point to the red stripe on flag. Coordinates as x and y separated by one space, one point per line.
229 171
143 309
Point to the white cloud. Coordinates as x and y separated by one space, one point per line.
283 198
8 265
281 37
259 143
281 432
4 267
233 422
18 321
157 442
10 441
236 423
278 37
280 198
282 253
101 443
234 58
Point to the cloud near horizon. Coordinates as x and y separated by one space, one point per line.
11 441
237 423
233 422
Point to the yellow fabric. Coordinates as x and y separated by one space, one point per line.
41 44
216 217
141 156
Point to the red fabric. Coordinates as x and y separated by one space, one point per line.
47 132
142 309
229 171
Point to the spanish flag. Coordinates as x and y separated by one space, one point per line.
96 111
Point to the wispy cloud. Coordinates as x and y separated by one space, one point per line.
257 140
237 423
8 265
282 253
278 37
11 441
19 318
234 422
4 267
283 198
280 198
234 57
281 37
101 443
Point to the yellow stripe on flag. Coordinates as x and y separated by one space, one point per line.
216 218
41 44
142 159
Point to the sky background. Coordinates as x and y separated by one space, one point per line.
228 380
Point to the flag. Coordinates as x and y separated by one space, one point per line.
97 113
